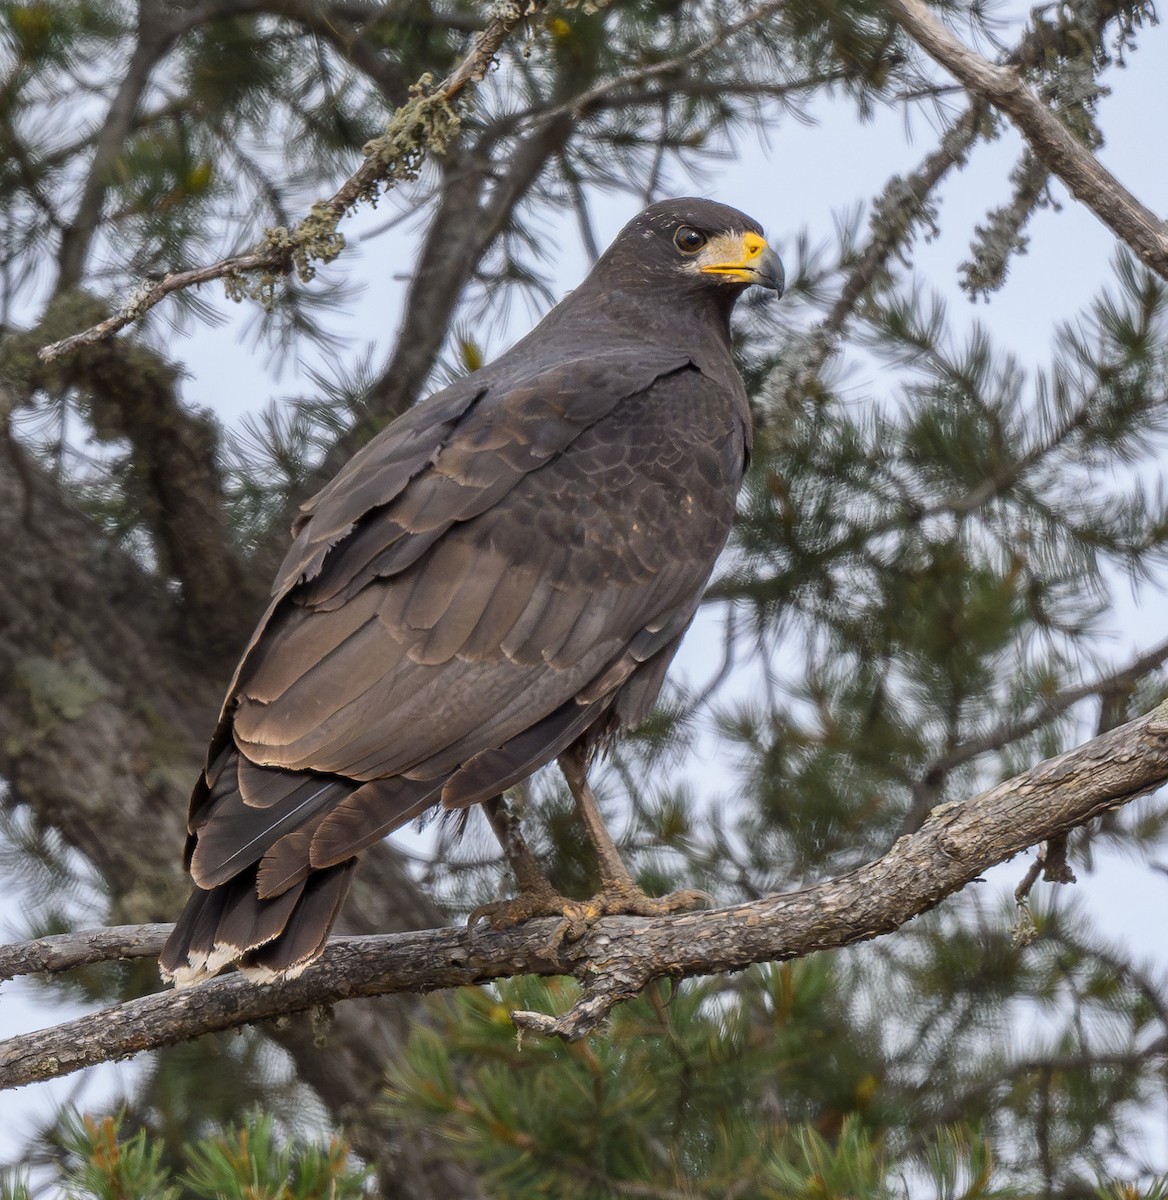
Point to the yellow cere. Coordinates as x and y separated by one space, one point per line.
732 254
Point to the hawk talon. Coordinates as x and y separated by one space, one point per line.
577 917
580 916
633 902
506 914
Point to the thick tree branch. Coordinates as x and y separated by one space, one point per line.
1052 143
620 955
387 160
67 951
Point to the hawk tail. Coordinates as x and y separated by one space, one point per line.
272 854
266 938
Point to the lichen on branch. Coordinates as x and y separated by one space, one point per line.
427 122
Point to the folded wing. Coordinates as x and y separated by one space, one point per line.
495 575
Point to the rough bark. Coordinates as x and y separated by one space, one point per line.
620 955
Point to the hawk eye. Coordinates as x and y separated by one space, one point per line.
689 240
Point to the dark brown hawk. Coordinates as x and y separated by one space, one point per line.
498 579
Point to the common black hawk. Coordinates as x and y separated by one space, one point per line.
498 579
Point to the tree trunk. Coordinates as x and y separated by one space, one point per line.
103 722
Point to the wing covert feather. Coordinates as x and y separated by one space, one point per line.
505 569
438 655
562 563
453 456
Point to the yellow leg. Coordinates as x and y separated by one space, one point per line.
619 892
537 897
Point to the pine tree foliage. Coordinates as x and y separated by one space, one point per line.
935 538
766 1089
99 1159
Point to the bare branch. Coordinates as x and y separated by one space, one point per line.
65 951
385 163
620 954
601 94
1052 143
156 34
